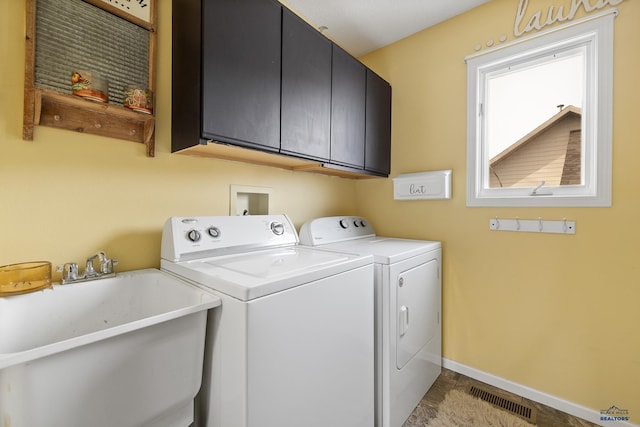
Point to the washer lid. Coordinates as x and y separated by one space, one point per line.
385 250
251 275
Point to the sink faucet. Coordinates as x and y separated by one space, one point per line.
70 270
106 265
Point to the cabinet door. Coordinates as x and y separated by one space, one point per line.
306 89
378 125
241 72
347 109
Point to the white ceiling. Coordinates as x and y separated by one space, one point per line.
361 26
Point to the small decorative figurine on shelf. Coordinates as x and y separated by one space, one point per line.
138 98
90 85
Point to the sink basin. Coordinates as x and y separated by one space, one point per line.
122 351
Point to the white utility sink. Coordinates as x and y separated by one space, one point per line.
125 351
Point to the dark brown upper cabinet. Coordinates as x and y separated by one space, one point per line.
253 82
347 109
226 73
377 156
306 89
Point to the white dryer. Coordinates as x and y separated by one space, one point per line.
293 341
408 305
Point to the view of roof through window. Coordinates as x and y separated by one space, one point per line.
534 115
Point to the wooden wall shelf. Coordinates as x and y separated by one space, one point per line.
73 113
48 107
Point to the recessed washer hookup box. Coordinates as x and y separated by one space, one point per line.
423 185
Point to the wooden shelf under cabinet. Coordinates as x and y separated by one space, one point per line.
78 114
223 151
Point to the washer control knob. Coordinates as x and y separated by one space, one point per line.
344 223
277 228
193 235
363 223
213 232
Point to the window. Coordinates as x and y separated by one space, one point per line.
539 118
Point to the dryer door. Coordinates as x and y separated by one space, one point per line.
417 309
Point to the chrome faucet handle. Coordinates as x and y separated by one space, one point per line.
106 265
69 272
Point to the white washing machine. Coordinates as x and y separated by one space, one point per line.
293 342
408 305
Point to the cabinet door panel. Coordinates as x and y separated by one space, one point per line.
347 109
306 89
241 72
378 125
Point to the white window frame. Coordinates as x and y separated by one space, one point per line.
595 33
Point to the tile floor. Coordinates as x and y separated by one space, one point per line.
448 380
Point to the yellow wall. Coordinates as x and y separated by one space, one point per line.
556 313
66 195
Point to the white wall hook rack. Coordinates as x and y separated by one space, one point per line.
539 225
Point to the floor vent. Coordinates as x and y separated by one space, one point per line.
523 411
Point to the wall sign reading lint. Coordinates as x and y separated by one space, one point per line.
422 185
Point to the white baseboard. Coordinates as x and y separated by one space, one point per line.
535 395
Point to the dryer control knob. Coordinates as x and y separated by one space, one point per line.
344 223
193 235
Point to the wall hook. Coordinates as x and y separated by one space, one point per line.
538 225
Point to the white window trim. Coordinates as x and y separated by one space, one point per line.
596 32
